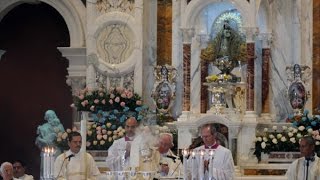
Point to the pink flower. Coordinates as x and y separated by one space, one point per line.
119 89
72 105
117 99
122 104
99 136
81 97
105 137
123 95
96 101
92 108
103 101
138 102
129 94
110 101
104 131
83 103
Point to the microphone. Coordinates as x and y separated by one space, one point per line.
172 157
69 157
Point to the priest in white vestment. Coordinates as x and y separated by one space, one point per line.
115 159
308 166
162 161
221 167
75 164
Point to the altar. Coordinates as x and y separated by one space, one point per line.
227 65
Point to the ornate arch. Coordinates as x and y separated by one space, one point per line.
73 12
196 6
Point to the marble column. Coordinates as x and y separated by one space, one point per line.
250 37
186 76
204 89
250 76
187 34
266 55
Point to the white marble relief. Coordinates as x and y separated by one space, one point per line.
106 6
114 44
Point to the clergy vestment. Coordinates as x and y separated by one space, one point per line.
26 177
113 160
80 167
298 169
222 164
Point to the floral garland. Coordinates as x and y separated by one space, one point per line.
109 110
287 139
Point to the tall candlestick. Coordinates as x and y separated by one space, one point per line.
201 165
210 168
185 154
52 152
194 166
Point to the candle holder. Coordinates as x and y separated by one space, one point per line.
47 163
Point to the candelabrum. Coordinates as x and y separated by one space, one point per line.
122 153
47 163
199 161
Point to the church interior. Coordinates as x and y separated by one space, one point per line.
248 66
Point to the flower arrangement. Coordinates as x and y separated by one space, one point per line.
109 110
287 139
219 78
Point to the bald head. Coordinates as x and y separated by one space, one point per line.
130 126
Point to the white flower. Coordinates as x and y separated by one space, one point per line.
295 130
283 139
271 136
275 141
263 145
310 130
259 139
265 139
284 128
290 134
274 127
102 142
279 136
293 140
265 129
301 128
299 135
317 143
95 142
290 129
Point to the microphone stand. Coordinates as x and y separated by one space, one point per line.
69 157
307 164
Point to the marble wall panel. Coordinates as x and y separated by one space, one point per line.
316 58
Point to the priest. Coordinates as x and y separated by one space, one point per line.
308 166
75 164
218 165
119 153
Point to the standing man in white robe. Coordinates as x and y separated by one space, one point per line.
122 145
73 164
222 167
308 166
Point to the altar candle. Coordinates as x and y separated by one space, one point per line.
52 162
185 154
45 163
211 156
201 165
194 165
